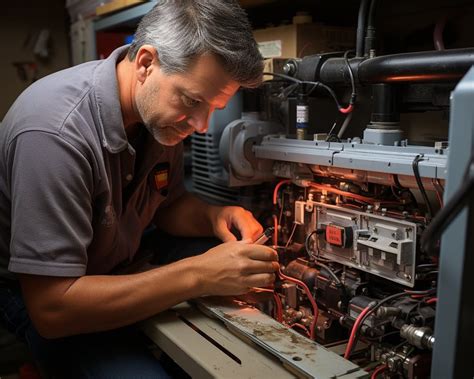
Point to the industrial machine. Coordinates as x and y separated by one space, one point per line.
355 209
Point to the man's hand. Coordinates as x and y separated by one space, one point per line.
233 268
224 218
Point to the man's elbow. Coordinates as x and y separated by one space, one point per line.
51 326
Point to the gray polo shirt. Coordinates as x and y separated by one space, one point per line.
75 196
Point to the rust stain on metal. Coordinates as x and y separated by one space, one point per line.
275 333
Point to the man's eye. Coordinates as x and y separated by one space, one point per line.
190 103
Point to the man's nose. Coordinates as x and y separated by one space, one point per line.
199 120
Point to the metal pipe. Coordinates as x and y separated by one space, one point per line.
426 66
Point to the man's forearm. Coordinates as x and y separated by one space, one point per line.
187 216
98 303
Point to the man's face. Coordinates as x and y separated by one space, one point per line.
174 106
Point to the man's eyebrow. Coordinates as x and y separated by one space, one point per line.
191 93
196 96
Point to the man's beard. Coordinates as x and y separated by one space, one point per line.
164 134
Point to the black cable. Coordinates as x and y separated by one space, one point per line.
315 85
369 40
306 243
449 212
351 75
352 100
328 89
287 77
345 124
331 273
419 182
361 28
372 310
371 18
336 279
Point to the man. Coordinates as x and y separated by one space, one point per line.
90 156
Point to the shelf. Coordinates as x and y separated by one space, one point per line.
131 16
128 17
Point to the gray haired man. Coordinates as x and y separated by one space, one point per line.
90 157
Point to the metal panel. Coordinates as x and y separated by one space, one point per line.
383 246
300 354
204 348
454 318
388 159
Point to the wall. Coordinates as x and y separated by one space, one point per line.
20 23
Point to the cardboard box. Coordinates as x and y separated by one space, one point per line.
299 40
273 65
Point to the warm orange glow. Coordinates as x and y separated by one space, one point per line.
419 78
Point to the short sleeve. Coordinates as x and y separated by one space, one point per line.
51 186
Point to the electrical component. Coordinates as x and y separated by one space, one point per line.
339 236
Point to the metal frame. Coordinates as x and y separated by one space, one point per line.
205 348
395 160
239 341
455 313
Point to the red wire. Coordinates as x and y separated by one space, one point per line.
378 370
277 187
278 304
355 327
301 327
432 300
275 230
310 297
275 219
346 110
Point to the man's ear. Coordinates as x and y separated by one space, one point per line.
146 61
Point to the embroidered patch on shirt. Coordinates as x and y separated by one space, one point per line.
161 176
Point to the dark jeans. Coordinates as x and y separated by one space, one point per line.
121 353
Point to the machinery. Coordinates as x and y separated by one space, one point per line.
356 210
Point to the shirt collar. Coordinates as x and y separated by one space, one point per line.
112 130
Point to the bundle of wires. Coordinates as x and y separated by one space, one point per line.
370 309
310 298
344 110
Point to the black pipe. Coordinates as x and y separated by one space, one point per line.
426 66
361 27
386 101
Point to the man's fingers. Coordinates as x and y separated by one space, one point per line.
262 253
251 233
248 227
223 233
261 280
260 267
